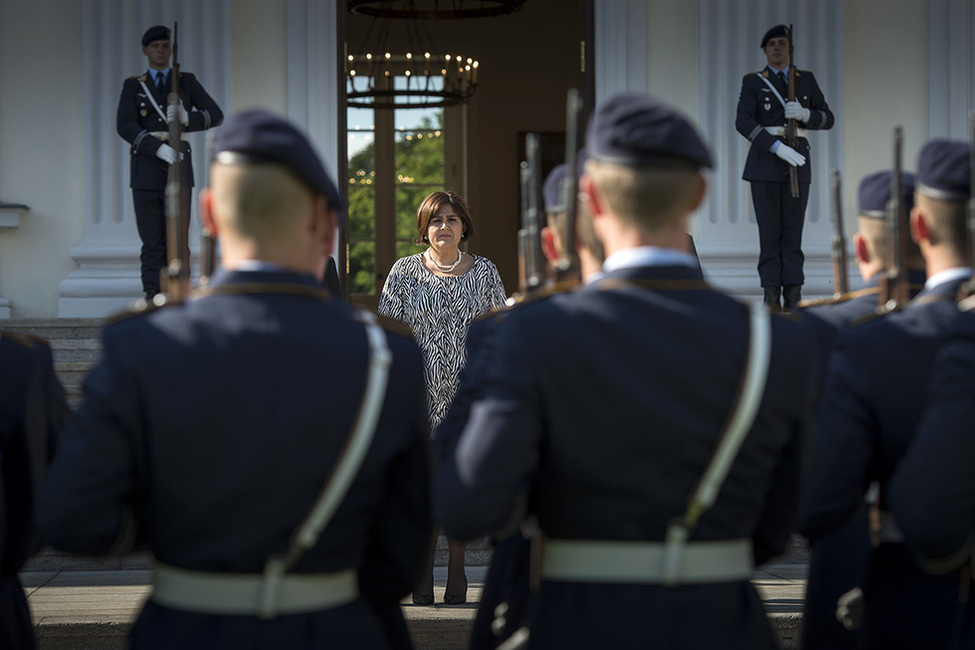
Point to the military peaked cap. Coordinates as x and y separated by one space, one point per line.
256 136
155 33
552 189
874 193
636 130
944 170
778 30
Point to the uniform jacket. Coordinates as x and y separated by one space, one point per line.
605 404
216 422
932 493
33 410
137 119
758 107
872 402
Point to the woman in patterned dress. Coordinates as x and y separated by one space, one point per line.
438 293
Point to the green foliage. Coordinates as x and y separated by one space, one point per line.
419 170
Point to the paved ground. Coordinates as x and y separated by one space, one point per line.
92 610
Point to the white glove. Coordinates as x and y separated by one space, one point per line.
796 111
167 154
788 154
184 117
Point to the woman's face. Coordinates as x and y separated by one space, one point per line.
445 229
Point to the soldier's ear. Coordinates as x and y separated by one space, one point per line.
549 246
590 196
919 226
206 211
860 248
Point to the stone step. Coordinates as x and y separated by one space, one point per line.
75 345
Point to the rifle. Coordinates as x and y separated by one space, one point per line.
791 128
530 260
177 275
567 268
894 289
839 240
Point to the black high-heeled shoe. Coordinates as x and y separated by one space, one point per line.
422 599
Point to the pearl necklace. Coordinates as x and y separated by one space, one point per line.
448 268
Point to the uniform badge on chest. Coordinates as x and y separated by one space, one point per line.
143 112
768 106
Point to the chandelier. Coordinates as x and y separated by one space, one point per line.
434 8
379 78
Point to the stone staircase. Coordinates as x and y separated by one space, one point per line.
75 344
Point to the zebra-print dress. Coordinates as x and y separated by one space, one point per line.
440 309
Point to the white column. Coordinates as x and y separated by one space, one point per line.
108 277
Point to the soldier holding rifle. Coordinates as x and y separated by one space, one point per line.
870 244
838 561
143 120
286 502
775 168
559 394
871 405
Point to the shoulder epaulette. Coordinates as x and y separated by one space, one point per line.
141 307
23 339
141 77
763 73
394 326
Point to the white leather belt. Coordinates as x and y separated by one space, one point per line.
240 593
643 562
164 136
780 131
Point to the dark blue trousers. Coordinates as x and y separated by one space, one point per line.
780 218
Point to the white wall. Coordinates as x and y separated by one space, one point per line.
41 148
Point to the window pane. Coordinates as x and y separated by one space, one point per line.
419 156
362 268
418 118
362 210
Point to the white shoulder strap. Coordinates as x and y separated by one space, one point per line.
152 100
344 472
753 387
769 84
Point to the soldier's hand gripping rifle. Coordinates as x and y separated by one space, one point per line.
840 282
176 277
567 268
894 289
791 127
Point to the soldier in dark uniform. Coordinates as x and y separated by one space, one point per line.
932 492
33 410
605 404
762 113
838 562
870 244
870 408
142 120
210 428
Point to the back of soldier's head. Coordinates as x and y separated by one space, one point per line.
645 158
943 189
873 203
265 171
